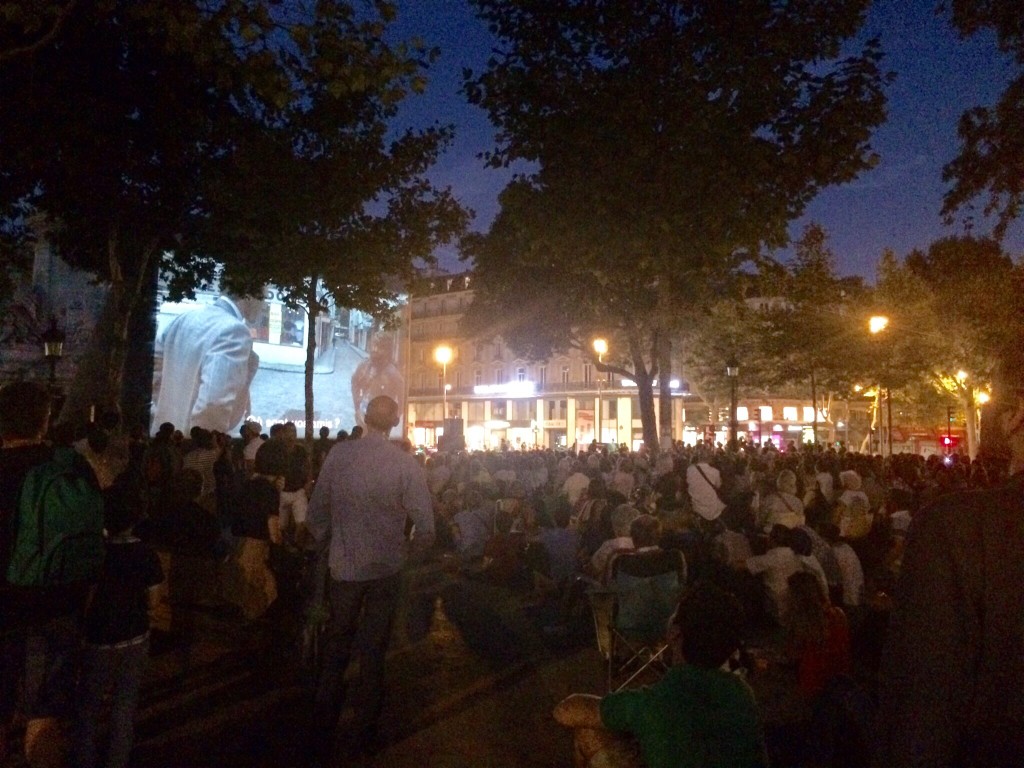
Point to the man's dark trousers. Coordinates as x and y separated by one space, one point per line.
375 601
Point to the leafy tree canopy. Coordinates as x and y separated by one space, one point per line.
990 164
237 132
672 141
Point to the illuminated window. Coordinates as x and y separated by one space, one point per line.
766 413
808 413
741 413
789 413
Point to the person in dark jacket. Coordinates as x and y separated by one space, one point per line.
952 678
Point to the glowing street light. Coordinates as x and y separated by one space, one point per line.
983 397
443 355
878 323
601 348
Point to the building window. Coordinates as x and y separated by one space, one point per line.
478 377
497 350
542 374
789 413
520 374
551 410
742 413
766 413
499 375
458 379
422 356
565 374
440 381
587 369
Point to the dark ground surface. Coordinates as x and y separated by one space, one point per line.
472 679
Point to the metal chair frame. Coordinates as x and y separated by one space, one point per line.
650 581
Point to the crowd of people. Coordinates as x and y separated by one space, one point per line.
807 542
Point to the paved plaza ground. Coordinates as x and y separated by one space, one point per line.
472 682
472 679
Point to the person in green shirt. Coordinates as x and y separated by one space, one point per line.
697 715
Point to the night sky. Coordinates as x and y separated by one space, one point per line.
896 205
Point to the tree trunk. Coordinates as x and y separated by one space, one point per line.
99 379
814 407
664 353
971 418
865 446
645 394
312 313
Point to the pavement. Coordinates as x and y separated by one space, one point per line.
472 680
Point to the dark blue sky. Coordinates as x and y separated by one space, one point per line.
896 205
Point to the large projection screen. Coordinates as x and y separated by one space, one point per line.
222 360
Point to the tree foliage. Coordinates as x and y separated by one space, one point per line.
990 164
671 142
953 309
182 135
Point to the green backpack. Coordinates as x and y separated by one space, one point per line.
58 527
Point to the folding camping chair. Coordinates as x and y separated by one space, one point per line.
631 615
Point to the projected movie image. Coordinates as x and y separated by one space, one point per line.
221 360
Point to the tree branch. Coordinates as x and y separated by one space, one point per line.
46 39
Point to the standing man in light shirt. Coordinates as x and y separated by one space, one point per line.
366 492
204 365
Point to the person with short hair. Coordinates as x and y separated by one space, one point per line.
40 630
622 518
697 714
116 648
368 489
783 507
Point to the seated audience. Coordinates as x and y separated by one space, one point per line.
783 507
696 715
789 551
622 518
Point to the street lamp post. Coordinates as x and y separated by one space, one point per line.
601 348
443 355
732 370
